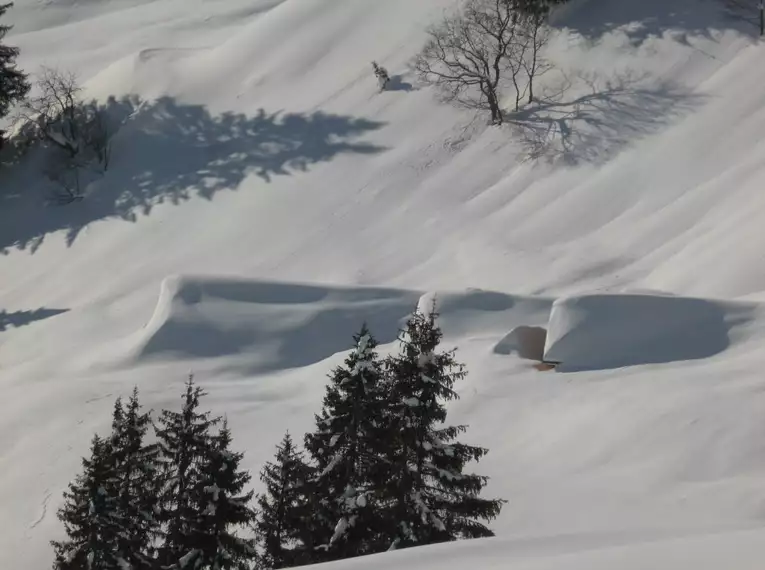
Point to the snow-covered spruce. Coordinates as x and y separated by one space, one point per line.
382 76
224 508
431 498
90 515
136 483
284 514
349 448
185 439
13 83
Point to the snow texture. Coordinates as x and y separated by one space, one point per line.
265 199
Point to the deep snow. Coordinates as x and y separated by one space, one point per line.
264 199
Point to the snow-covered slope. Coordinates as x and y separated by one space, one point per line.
257 164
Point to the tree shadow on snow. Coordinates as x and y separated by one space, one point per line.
643 19
20 318
168 151
591 119
398 83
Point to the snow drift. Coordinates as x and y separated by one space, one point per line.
594 331
288 325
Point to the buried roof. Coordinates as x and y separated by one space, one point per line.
601 331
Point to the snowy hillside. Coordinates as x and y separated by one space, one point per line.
264 199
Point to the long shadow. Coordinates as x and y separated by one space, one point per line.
643 19
398 83
20 318
168 151
601 117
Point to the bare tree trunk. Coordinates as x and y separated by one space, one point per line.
533 67
492 99
496 111
466 54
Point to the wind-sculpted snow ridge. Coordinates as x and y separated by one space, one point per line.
600 331
289 325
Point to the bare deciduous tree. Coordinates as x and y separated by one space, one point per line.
467 53
472 53
75 131
536 35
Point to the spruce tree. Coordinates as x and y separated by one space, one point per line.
137 484
185 439
534 8
285 510
13 83
432 499
225 507
348 448
90 516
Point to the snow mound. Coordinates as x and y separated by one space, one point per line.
283 325
279 325
598 331
739 549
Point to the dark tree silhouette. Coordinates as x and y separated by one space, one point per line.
90 515
185 439
284 514
225 507
137 484
13 83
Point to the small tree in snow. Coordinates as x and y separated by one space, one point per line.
434 499
284 513
185 439
225 507
348 448
382 76
90 515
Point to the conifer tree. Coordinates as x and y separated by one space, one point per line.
89 515
137 482
225 507
382 76
536 7
185 438
285 510
348 448
433 499
13 83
